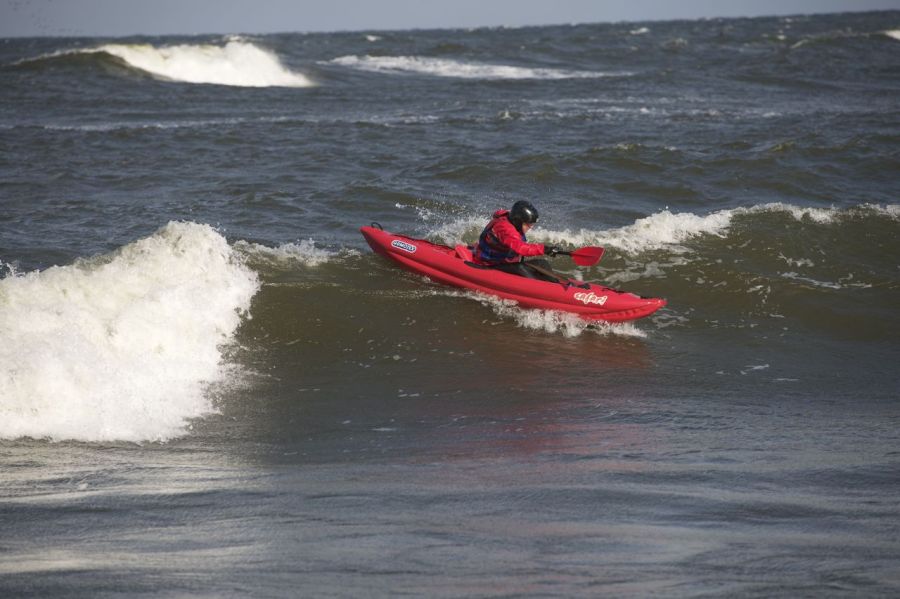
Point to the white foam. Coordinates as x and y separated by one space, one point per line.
456 231
663 230
894 33
797 262
660 230
668 230
824 284
442 67
551 321
639 31
121 347
237 63
642 271
305 252
162 125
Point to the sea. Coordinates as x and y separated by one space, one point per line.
210 386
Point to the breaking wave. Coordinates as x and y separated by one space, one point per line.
668 230
304 252
442 67
121 347
236 63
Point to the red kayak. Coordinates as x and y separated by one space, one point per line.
453 266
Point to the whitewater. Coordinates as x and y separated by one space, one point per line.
121 347
439 67
235 63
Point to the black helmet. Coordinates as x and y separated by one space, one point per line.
523 212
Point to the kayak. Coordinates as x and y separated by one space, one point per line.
453 266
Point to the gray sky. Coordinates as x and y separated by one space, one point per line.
157 17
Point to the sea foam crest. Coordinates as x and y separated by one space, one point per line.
442 67
236 63
668 230
305 252
550 321
123 347
664 229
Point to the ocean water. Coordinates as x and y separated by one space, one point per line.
210 386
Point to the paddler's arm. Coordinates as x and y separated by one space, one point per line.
510 238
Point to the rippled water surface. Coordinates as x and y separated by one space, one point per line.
210 386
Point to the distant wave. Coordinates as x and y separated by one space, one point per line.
162 125
442 67
840 36
236 63
122 347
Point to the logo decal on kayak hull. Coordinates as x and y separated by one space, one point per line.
590 298
402 245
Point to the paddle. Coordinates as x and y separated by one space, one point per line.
547 273
587 256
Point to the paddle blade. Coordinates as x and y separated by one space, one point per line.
588 256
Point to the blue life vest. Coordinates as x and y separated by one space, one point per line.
489 249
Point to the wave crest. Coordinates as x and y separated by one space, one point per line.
442 67
304 252
668 230
121 347
236 63
665 229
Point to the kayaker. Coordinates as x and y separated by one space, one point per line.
502 244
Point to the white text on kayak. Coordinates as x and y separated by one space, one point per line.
590 298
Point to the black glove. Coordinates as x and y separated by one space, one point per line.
551 250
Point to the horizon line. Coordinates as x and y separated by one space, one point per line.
450 28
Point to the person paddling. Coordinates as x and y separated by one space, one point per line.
503 245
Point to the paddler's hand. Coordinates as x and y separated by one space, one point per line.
551 250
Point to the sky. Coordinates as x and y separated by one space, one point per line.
160 17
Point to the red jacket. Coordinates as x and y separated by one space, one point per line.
501 242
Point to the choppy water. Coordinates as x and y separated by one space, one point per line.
210 386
